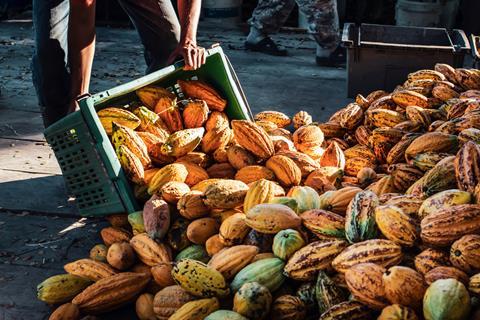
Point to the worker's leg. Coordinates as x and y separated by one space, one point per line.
267 18
158 27
322 20
49 63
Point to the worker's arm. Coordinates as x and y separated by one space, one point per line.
81 46
189 13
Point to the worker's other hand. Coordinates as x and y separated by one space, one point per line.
193 55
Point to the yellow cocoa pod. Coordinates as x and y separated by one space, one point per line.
150 95
383 185
364 280
203 185
337 201
383 252
446 273
437 142
221 171
225 194
216 120
301 118
285 169
253 138
124 136
315 256
182 142
261 191
426 74
405 98
474 284
61 288
196 310
172 172
279 118
384 118
288 307
199 158
199 279
351 116
465 253
149 251
332 130
131 164
217 138
272 218
151 123
429 259
302 160
253 173
443 199
89 269
407 203
419 116
191 205
120 116
354 165
172 191
231 260
404 286
319 181
214 245
282 144
307 138
233 229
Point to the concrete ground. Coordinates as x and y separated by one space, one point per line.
39 227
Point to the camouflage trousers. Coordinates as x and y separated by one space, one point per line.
322 17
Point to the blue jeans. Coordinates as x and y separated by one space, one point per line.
155 21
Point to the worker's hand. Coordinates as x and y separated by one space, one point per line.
194 55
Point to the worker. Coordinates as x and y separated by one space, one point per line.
323 25
65 45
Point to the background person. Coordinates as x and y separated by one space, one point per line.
322 17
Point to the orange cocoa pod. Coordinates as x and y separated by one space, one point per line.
285 169
253 138
195 114
200 90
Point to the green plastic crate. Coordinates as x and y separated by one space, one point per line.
90 167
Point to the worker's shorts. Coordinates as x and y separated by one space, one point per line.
155 21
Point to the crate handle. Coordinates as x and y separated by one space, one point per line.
465 46
82 96
346 34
